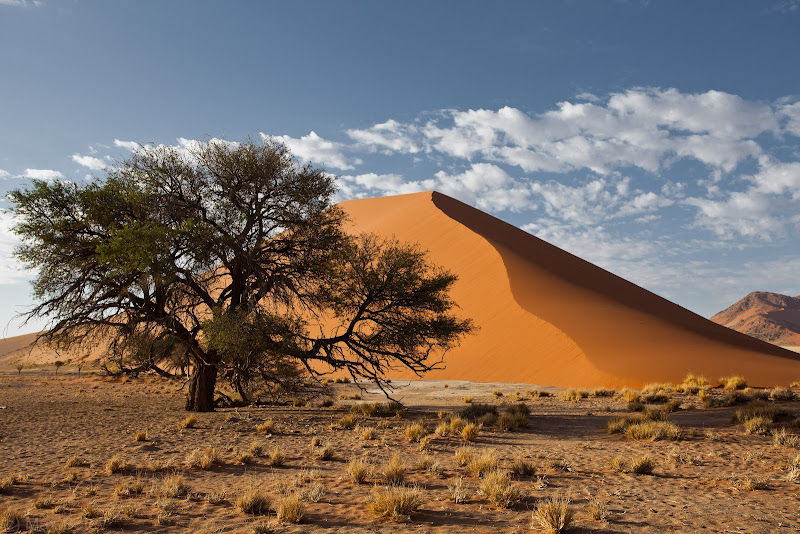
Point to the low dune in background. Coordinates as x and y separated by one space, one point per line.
548 317
545 316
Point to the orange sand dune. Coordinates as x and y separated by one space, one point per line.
548 317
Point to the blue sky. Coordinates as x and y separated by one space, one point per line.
657 139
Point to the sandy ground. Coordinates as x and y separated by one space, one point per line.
45 420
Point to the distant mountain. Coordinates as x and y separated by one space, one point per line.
767 316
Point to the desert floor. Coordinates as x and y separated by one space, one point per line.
701 482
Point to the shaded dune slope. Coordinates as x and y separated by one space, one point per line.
548 317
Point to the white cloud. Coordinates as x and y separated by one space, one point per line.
89 161
11 271
4 174
792 113
42 174
486 186
21 3
320 151
129 145
390 135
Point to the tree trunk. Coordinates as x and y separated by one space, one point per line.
201 387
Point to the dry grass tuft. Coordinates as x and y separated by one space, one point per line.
781 394
733 382
173 486
253 501
459 489
395 503
598 509
757 425
415 432
785 439
653 431
470 432
267 427
256 449
358 470
141 435
325 453
522 468
479 465
203 458
367 434
276 457
463 455
348 422
290 509
752 483
642 465
131 488
189 422
394 472
77 461
617 464
553 514
498 488
116 464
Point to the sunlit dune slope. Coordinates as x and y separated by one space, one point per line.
548 317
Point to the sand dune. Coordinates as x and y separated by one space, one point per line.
545 316
548 317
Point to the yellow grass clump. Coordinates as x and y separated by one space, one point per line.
394 472
358 471
290 509
395 503
553 514
497 487
253 501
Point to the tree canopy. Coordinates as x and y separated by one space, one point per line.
234 256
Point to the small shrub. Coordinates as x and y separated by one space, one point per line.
466 400
442 430
290 509
141 435
367 434
116 464
316 441
480 464
395 503
476 410
256 449
601 392
253 501
314 492
189 422
736 396
671 406
497 393
267 427
572 395
394 472
415 432
733 382
642 465
45 501
553 514
758 408
754 393
358 470
693 384
636 406
617 425
243 457
498 488
470 432
459 489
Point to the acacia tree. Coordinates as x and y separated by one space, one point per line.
236 254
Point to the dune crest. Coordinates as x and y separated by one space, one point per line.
548 317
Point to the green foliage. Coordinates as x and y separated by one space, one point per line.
232 257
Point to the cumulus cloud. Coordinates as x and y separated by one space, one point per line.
42 174
89 161
21 3
317 150
4 174
390 135
129 145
